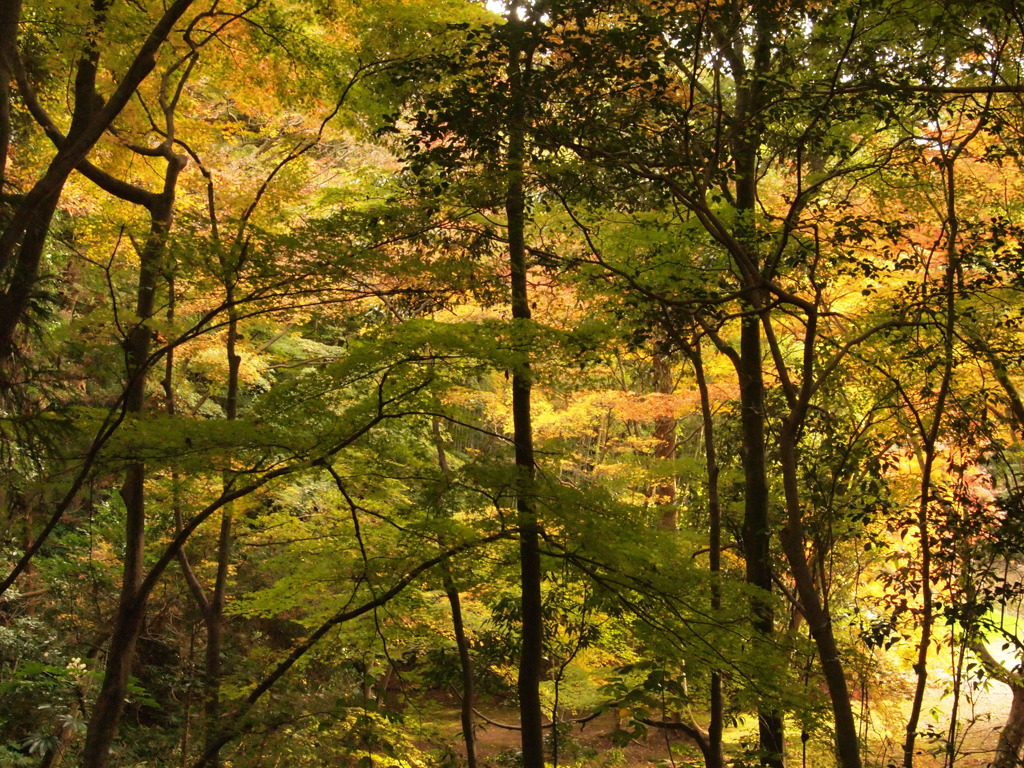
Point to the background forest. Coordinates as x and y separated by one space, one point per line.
374 371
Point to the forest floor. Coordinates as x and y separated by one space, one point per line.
590 744
982 713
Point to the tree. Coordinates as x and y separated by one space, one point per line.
711 149
24 234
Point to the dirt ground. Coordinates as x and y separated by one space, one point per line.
981 715
591 744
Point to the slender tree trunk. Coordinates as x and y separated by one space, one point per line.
465 667
55 755
713 755
186 726
960 653
930 438
459 627
927 606
531 656
193 583
818 619
212 607
215 613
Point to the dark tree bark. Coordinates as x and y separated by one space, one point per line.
531 656
818 618
465 668
24 234
10 13
130 615
756 525
211 607
746 142
214 614
459 627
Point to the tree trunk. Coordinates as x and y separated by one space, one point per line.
818 619
131 610
927 605
459 627
10 13
746 142
1010 749
465 666
531 656
756 527
24 236
215 607
930 439
713 756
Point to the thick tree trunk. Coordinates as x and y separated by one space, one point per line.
130 616
746 142
1010 749
21 282
10 13
24 235
756 526
531 656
